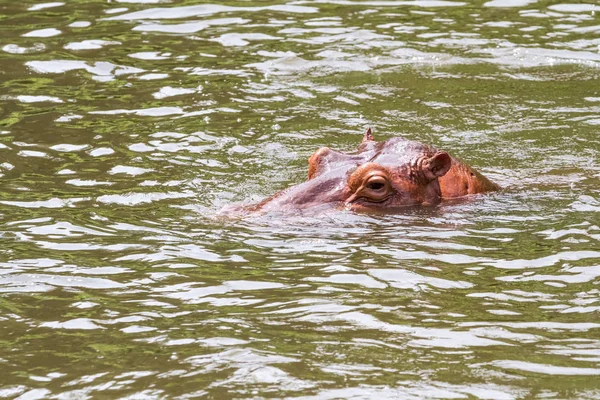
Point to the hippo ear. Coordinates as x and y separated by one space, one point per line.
437 165
368 137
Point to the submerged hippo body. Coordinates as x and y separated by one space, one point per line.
379 177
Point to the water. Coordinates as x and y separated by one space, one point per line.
126 126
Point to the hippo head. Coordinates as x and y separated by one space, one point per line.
383 176
379 176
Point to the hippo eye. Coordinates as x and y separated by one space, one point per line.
370 183
376 185
376 189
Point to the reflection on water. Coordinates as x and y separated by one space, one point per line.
126 126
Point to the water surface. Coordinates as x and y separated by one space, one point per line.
125 126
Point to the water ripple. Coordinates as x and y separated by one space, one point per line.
127 126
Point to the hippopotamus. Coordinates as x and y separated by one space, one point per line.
384 176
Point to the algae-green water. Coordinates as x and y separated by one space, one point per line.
125 126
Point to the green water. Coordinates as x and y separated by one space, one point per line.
127 125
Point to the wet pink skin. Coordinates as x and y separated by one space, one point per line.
382 176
